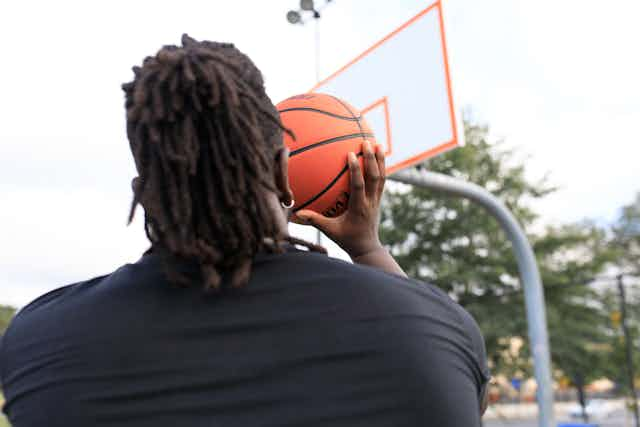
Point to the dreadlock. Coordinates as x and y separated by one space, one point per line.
204 136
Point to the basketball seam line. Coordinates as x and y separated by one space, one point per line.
330 141
315 110
327 188
350 112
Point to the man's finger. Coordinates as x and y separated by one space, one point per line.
356 198
381 167
372 175
321 222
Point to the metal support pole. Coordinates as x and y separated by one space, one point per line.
627 340
316 17
529 275
317 45
294 17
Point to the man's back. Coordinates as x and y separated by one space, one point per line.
310 341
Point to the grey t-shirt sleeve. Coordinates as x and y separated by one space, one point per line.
449 375
462 327
477 343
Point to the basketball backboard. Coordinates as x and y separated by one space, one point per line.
402 85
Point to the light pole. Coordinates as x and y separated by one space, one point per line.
628 340
628 351
295 17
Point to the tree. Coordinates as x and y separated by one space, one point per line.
454 244
580 330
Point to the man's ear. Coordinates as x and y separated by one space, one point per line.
282 176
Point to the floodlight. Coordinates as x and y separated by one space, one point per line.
306 4
293 16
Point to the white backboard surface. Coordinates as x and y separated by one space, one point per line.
402 86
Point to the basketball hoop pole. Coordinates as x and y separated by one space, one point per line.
294 17
529 274
316 16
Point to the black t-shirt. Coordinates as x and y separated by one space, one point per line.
311 341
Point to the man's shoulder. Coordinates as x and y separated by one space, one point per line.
56 295
313 262
44 314
364 283
416 308
43 309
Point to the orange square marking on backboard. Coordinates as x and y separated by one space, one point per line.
387 123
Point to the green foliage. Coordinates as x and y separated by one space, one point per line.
3 421
625 244
454 244
6 313
570 258
626 238
617 366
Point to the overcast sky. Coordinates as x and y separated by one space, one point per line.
557 79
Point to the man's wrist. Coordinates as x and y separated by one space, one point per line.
365 252
380 258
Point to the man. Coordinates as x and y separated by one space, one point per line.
224 321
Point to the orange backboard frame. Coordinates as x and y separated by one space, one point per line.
440 148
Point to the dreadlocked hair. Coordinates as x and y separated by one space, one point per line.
204 136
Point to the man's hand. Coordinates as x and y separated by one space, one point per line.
356 230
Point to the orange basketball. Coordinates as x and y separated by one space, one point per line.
326 129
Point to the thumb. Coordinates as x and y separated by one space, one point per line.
308 217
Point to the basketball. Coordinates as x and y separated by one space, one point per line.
326 129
